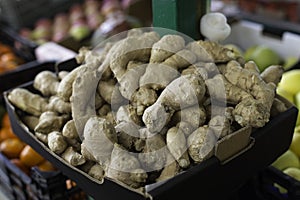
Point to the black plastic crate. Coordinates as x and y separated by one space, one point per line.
4 180
22 47
39 185
266 185
17 179
52 186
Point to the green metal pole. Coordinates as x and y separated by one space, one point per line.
180 15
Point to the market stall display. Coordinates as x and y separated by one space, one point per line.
156 117
150 113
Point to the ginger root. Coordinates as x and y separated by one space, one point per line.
126 168
127 113
143 98
30 121
154 154
56 142
64 90
194 115
99 138
208 51
169 171
69 131
130 81
220 88
220 125
165 47
185 127
254 110
278 107
181 59
58 105
128 135
72 157
177 146
183 92
109 91
97 172
145 108
201 143
50 121
158 76
131 48
27 101
272 74
46 82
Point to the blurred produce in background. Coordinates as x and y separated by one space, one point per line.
8 59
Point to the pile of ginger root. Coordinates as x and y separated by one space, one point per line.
147 107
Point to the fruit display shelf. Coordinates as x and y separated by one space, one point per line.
211 179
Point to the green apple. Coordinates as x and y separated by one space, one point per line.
293 172
285 94
79 31
297 99
290 81
40 33
297 129
295 144
290 62
298 119
263 56
297 103
248 53
287 159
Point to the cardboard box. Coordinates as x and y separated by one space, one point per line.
247 152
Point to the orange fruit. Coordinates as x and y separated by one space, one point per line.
8 57
10 65
46 166
30 157
19 164
5 121
12 147
6 133
70 184
2 68
4 49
